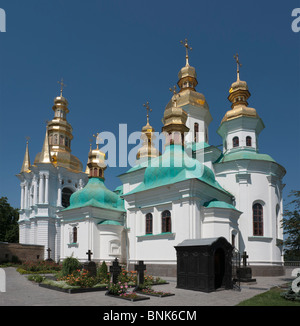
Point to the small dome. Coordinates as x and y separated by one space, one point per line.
96 194
174 166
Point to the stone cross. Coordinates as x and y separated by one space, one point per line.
49 250
2 280
89 253
115 270
140 268
245 256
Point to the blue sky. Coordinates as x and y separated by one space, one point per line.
116 55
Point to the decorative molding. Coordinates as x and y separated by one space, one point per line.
166 235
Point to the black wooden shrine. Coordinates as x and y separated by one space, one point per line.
204 264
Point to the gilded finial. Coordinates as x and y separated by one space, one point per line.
175 95
148 110
238 64
62 86
96 136
187 48
91 141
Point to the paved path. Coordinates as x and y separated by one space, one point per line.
21 292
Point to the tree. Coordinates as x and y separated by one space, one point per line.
291 227
9 228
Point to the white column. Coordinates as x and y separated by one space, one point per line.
26 196
46 200
41 189
59 191
35 186
22 196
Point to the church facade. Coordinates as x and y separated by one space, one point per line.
193 190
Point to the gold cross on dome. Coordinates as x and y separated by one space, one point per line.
187 48
148 110
238 65
175 95
62 86
98 139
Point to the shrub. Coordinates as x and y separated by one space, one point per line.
69 265
117 288
102 273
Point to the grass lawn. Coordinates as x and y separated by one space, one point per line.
270 298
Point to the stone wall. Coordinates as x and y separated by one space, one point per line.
23 252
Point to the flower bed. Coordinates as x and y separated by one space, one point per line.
80 278
131 296
159 294
44 267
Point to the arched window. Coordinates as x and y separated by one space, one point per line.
149 221
74 234
258 225
166 221
65 198
248 141
196 132
235 142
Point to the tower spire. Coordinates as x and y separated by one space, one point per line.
45 156
26 162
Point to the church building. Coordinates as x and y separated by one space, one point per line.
193 190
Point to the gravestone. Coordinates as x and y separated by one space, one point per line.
140 268
115 270
49 258
90 265
244 273
2 280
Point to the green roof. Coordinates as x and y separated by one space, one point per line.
175 166
110 222
218 204
244 154
97 195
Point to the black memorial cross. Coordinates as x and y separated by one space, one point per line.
49 258
140 268
245 256
115 270
89 253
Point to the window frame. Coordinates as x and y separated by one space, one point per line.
258 219
166 222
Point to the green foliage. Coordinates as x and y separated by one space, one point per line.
9 228
29 267
291 226
36 278
69 265
117 288
102 273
